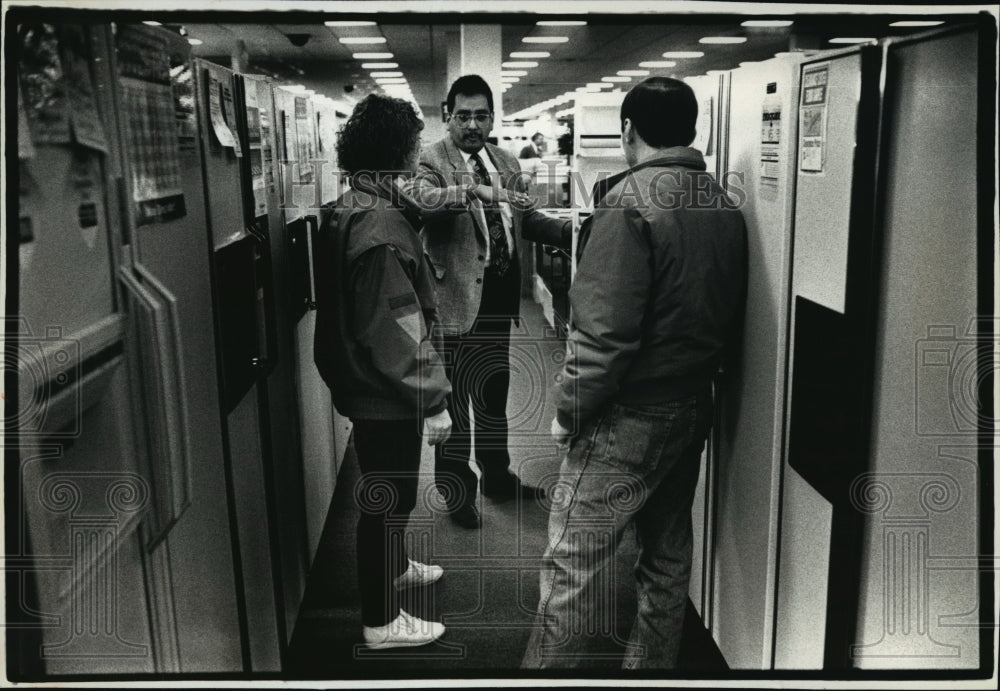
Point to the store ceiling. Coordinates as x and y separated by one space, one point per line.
312 51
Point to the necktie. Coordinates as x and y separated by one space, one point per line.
499 252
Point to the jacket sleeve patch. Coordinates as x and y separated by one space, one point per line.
402 301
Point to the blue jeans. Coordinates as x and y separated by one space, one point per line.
631 463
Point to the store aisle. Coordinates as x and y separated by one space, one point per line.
489 592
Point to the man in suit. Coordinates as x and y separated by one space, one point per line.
534 149
475 210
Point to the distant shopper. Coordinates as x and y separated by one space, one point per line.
373 350
657 299
535 148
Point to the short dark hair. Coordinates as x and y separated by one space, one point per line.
663 111
379 136
536 135
469 85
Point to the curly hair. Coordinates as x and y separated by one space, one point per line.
379 136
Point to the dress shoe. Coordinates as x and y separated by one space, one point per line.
418 574
404 631
466 516
509 488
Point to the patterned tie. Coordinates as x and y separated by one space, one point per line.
499 252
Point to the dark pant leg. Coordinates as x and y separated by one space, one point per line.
388 453
492 374
453 477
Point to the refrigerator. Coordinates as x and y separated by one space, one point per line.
123 556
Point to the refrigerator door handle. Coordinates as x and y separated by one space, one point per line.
265 361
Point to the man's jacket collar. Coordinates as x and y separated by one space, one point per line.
672 157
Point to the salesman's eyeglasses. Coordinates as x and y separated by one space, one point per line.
464 117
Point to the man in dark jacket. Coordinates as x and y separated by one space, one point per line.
657 300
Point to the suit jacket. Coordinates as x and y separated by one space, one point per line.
455 232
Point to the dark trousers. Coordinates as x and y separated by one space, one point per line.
389 455
478 365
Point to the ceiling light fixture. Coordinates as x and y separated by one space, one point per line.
722 40
530 54
852 39
379 65
360 40
916 22
770 23
386 74
152 22
372 56
517 65
510 80
633 73
561 23
348 23
195 41
656 64
513 73
616 79
545 39
598 85
683 54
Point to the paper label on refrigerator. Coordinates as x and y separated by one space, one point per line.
182 85
703 128
812 118
219 126
149 118
770 146
25 149
229 111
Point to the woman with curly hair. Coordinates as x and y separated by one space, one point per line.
374 350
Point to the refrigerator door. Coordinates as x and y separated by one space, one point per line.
77 494
920 588
246 345
834 276
761 160
284 472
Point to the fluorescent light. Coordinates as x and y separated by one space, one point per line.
722 40
598 85
349 23
633 73
916 22
390 80
386 74
372 56
358 40
530 54
545 39
195 41
683 54
516 65
713 73
657 64
510 80
849 39
616 79
560 23
152 23
513 73
379 65
767 22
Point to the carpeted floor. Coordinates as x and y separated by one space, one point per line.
488 595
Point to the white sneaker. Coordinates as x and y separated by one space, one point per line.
418 574
404 631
